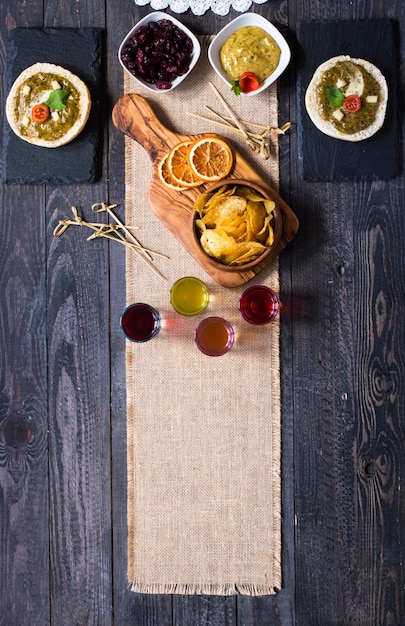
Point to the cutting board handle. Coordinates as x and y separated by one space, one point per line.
134 117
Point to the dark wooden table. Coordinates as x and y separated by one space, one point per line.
62 390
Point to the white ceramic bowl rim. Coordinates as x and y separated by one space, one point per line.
249 19
154 17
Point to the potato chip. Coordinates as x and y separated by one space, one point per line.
216 243
235 224
224 210
248 252
270 238
201 202
270 206
265 229
231 206
217 198
256 215
250 194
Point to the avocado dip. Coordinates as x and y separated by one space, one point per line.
35 90
250 49
350 79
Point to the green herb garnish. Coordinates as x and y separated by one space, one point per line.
57 99
236 88
334 96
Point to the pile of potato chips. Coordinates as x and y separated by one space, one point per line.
235 224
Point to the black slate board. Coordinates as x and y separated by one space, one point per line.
80 51
322 158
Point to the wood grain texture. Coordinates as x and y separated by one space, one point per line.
207 610
380 434
24 560
342 345
133 115
79 393
79 442
347 268
24 563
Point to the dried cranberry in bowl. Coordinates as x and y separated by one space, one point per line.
158 53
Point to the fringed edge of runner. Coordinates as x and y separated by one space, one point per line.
205 589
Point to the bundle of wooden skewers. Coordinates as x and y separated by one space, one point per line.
116 232
259 143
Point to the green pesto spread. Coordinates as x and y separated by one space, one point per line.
40 86
364 85
250 49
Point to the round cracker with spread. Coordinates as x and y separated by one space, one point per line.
34 86
347 76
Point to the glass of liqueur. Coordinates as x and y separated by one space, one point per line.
214 336
259 305
140 322
189 296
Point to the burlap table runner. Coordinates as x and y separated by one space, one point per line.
204 494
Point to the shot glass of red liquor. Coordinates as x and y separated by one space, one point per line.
140 322
259 305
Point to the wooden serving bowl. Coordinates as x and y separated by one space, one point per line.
264 257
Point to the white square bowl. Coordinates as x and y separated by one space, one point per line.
249 19
154 17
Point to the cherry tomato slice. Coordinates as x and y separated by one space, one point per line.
40 113
351 104
248 81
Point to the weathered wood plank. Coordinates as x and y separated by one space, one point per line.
380 434
79 391
348 264
24 567
24 561
204 610
79 420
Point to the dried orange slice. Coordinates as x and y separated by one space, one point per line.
179 167
210 158
165 177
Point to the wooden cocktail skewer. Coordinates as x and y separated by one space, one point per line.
231 113
266 128
108 208
109 231
129 244
258 142
258 145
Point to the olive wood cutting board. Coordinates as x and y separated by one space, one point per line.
133 115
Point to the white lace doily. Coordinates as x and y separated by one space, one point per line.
199 7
